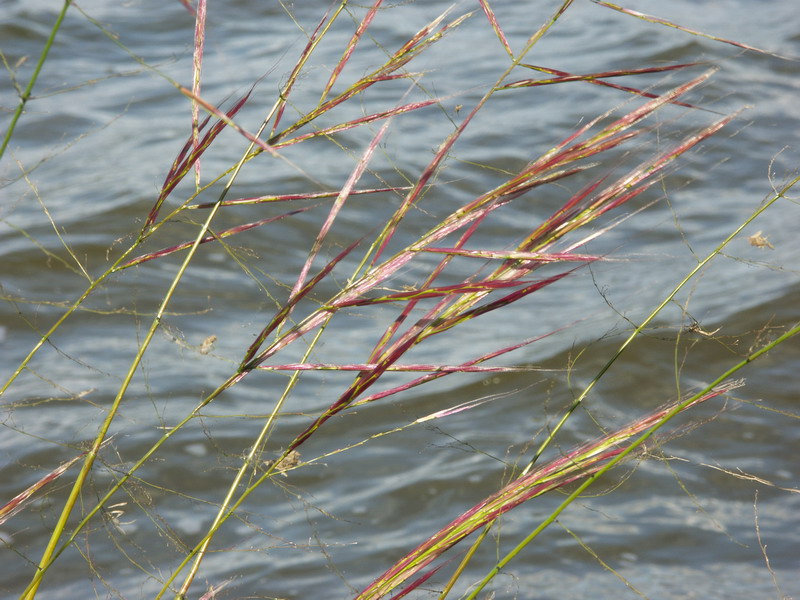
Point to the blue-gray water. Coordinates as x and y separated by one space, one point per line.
96 141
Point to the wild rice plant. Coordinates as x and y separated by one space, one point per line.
366 271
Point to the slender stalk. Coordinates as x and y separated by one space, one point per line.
417 558
92 286
118 265
622 455
91 455
122 480
199 44
638 330
465 561
114 408
453 304
224 512
29 88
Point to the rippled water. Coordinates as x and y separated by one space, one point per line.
97 140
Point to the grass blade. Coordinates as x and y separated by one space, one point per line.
659 21
496 26
199 44
576 464
186 159
351 46
209 238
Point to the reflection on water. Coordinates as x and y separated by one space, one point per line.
96 142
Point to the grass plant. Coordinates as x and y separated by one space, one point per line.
458 280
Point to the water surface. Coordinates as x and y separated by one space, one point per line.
96 142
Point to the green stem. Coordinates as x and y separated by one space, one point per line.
465 561
223 513
47 556
617 459
113 490
764 206
29 88
91 455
